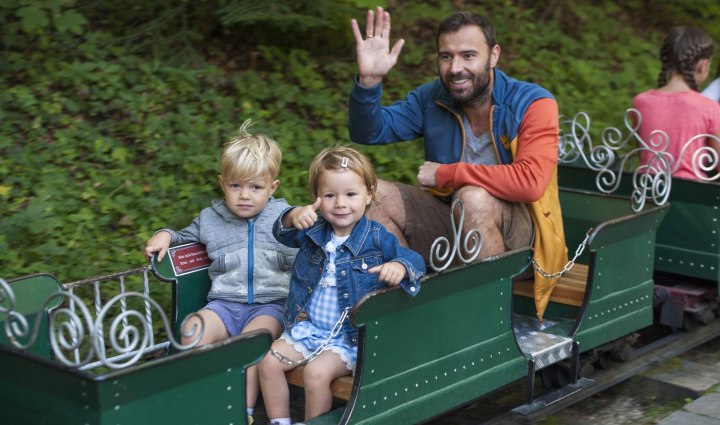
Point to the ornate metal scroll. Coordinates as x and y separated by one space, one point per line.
77 340
131 342
705 159
68 329
444 251
651 179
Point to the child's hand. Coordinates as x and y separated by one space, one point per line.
391 273
303 217
160 242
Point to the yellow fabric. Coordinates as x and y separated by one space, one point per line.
550 251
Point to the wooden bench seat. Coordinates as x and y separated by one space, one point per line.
341 387
570 288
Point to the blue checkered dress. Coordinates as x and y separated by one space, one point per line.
323 312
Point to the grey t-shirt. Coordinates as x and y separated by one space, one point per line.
478 150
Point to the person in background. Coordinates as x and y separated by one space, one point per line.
490 140
342 257
713 89
676 107
250 269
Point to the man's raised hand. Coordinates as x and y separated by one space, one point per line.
374 57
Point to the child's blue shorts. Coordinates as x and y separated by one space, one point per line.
235 315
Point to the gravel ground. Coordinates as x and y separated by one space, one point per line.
638 400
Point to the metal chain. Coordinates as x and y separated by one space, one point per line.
310 357
569 264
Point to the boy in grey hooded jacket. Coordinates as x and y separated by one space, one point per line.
250 269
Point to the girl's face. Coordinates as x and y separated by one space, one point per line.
344 197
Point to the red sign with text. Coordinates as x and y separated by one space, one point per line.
188 258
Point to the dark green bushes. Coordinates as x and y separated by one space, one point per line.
113 114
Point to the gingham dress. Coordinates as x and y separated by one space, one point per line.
323 313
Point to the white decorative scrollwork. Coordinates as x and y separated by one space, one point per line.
15 324
72 332
651 179
131 341
443 251
705 159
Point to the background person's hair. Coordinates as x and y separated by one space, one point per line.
681 50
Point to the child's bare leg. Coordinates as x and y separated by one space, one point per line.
274 385
213 331
261 322
317 377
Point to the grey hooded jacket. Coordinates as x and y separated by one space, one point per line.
248 264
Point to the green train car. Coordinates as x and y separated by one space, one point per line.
687 254
471 330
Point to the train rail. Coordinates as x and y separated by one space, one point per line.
644 357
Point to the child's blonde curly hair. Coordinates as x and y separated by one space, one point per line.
249 157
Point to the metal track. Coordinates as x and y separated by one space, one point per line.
644 358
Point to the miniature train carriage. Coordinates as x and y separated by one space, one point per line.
470 331
687 257
61 364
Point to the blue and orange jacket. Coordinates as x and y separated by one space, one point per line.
524 130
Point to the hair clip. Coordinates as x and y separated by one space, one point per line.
344 162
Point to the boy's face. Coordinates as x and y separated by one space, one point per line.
247 198
343 198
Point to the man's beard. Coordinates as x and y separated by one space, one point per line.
481 86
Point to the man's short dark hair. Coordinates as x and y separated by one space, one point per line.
462 19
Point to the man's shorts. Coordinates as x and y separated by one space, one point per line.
427 217
235 315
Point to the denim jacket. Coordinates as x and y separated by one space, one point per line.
369 245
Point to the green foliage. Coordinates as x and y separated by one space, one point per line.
113 114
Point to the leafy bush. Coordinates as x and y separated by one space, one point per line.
113 114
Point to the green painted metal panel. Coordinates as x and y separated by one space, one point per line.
415 364
31 293
620 253
331 418
583 210
190 285
554 311
34 391
688 240
205 385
